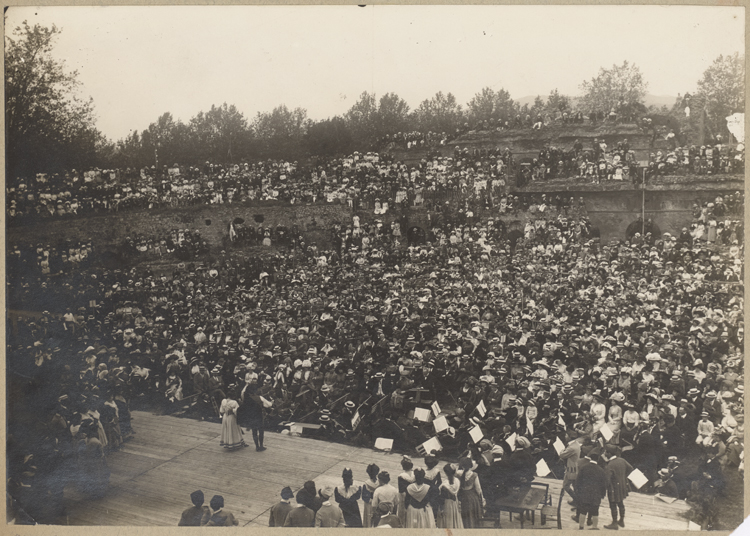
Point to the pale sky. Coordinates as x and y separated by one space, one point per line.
139 62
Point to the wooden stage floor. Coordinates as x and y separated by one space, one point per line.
169 457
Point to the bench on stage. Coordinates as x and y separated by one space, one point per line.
524 500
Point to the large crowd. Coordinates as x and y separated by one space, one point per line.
531 337
368 181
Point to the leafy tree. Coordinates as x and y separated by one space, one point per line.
330 137
281 131
128 152
161 136
491 106
221 134
183 147
441 113
47 126
482 107
537 108
361 119
620 88
505 107
721 90
557 103
392 115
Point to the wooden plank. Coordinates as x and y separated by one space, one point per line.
183 433
188 481
170 457
187 427
293 444
150 453
230 476
126 464
244 458
153 503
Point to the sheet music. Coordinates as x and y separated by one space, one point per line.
382 443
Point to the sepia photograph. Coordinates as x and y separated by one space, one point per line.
338 266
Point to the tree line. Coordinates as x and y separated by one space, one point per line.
49 129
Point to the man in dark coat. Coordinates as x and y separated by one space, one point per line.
309 497
494 484
252 406
301 516
591 487
280 510
665 485
519 466
671 437
196 515
617 485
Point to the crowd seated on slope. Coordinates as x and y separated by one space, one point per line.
370 180
545 334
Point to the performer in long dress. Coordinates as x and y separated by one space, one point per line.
470 495
231 433
368 489
417 502
111 422
450 517
433 478
404 479
347 497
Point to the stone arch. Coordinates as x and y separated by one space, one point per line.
502 228
416 235
638 226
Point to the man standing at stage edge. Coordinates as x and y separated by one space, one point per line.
570 455
280 510
617 485
591 487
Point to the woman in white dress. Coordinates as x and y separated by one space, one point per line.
450 517
231 433
614 415
598 411
417 501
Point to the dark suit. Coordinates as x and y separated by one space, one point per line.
591 487
201 382
617 486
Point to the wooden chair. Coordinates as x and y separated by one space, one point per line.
548 510
528 511
547 498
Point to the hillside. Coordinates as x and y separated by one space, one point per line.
526 143
649 100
